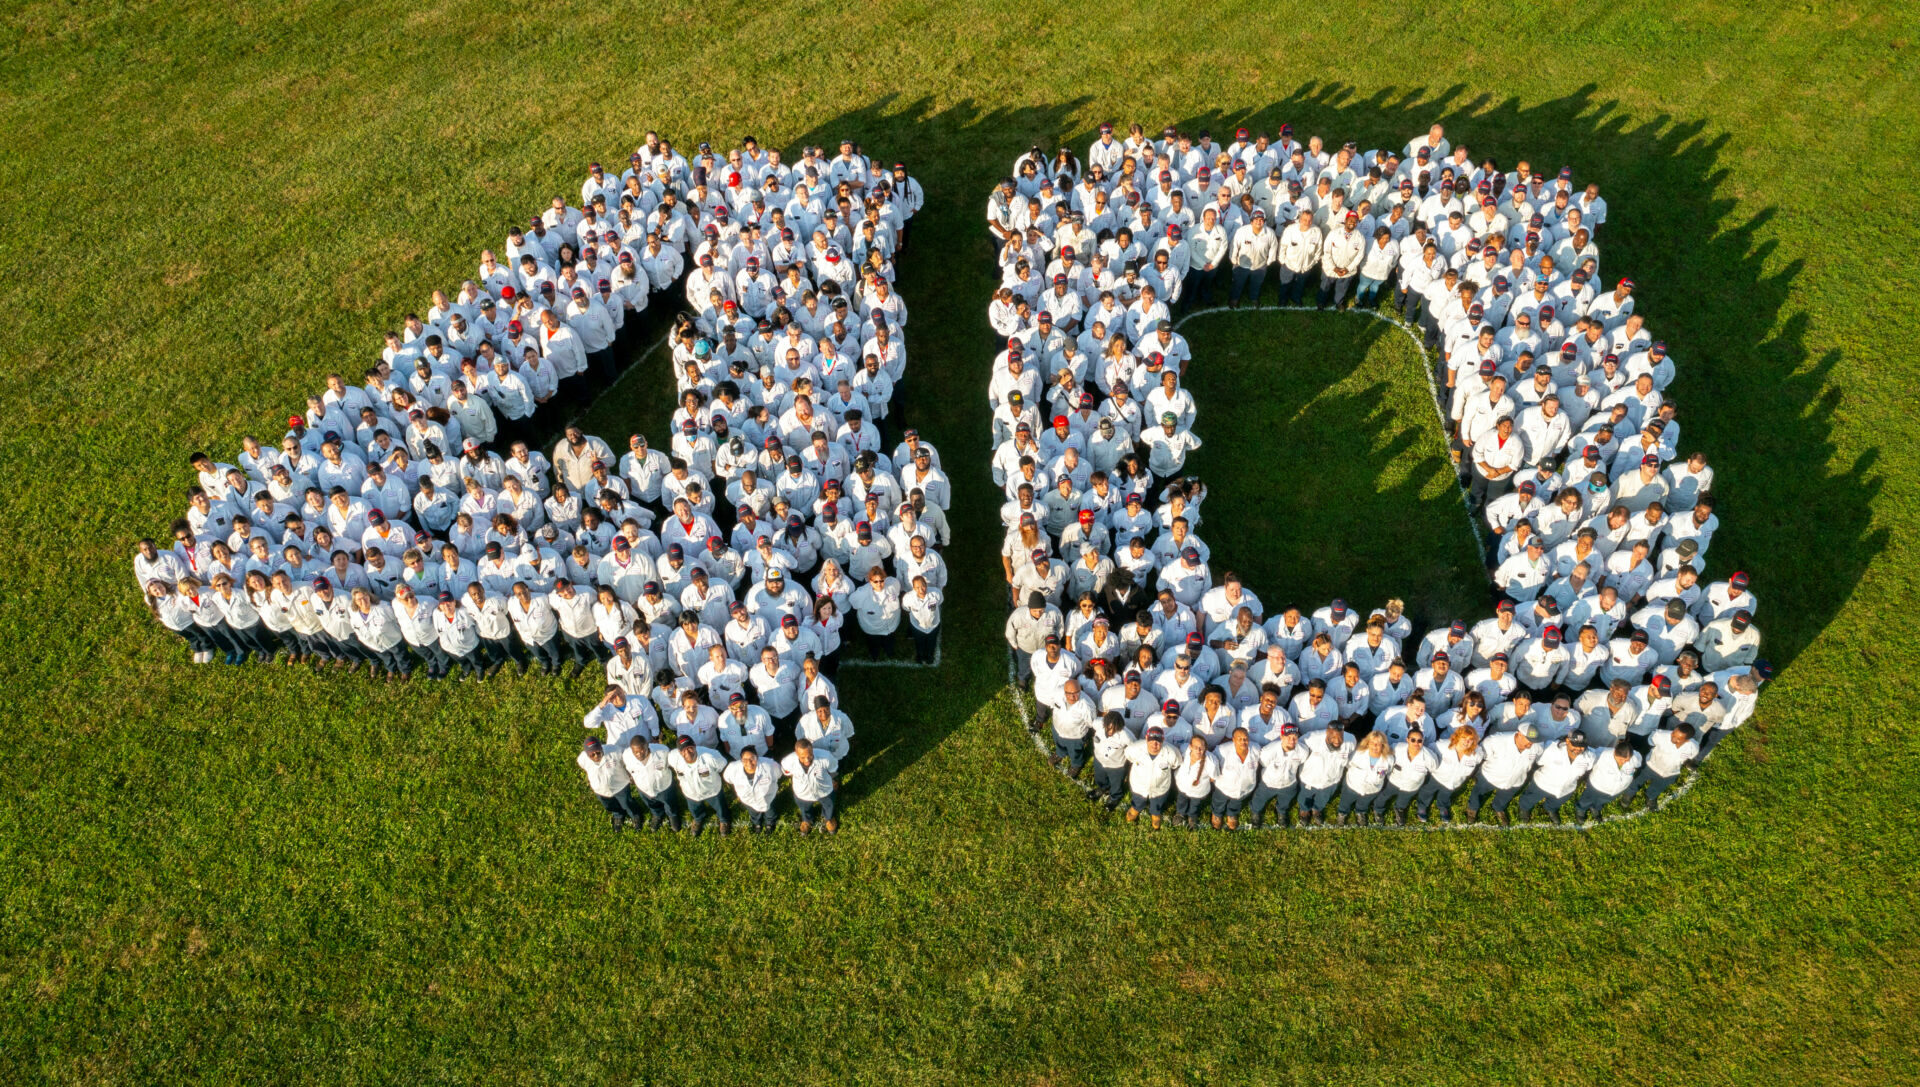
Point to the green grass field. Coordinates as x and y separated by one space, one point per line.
255 876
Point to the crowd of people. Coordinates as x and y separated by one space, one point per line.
1612 662
414 523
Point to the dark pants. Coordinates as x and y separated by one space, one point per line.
716 804
1653 783
342 649
879 646
1112 782
1204 281
1592 800
1281 798
1189 807
763 820
548 654
783 731
1334 291
221 637
1073 751
435 658
1293 289
1536 796
1364 803
600 365
1710 740
1412 307
397 661
1397 798
926 643
1022 666
815 811
198 640
662 807
1483 490
456 661
1152 805
498 652
256 639
1247 282
1482 792
1316 800
1437 798
589 649
1228 807
619 805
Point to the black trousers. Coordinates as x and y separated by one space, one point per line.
926 643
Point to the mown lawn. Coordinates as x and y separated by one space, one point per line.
262 876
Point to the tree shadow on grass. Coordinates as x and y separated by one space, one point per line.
1750 396
1345 489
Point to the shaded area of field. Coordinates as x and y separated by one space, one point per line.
1327 469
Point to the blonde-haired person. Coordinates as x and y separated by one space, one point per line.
1459 759
1364 790
832 582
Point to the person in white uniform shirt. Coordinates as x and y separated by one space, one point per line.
755 782
1072 724
1413 765
1510 758
877 604
1110 760
1742 689
1667 757
647 763
1612 774
812 773
1364 789
1328 752
1193 783
1150 779
1279 781
1235 778
697 770
1559 771
609 781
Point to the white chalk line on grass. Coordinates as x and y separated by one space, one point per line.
1028 719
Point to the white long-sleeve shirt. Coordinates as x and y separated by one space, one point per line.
1253 250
